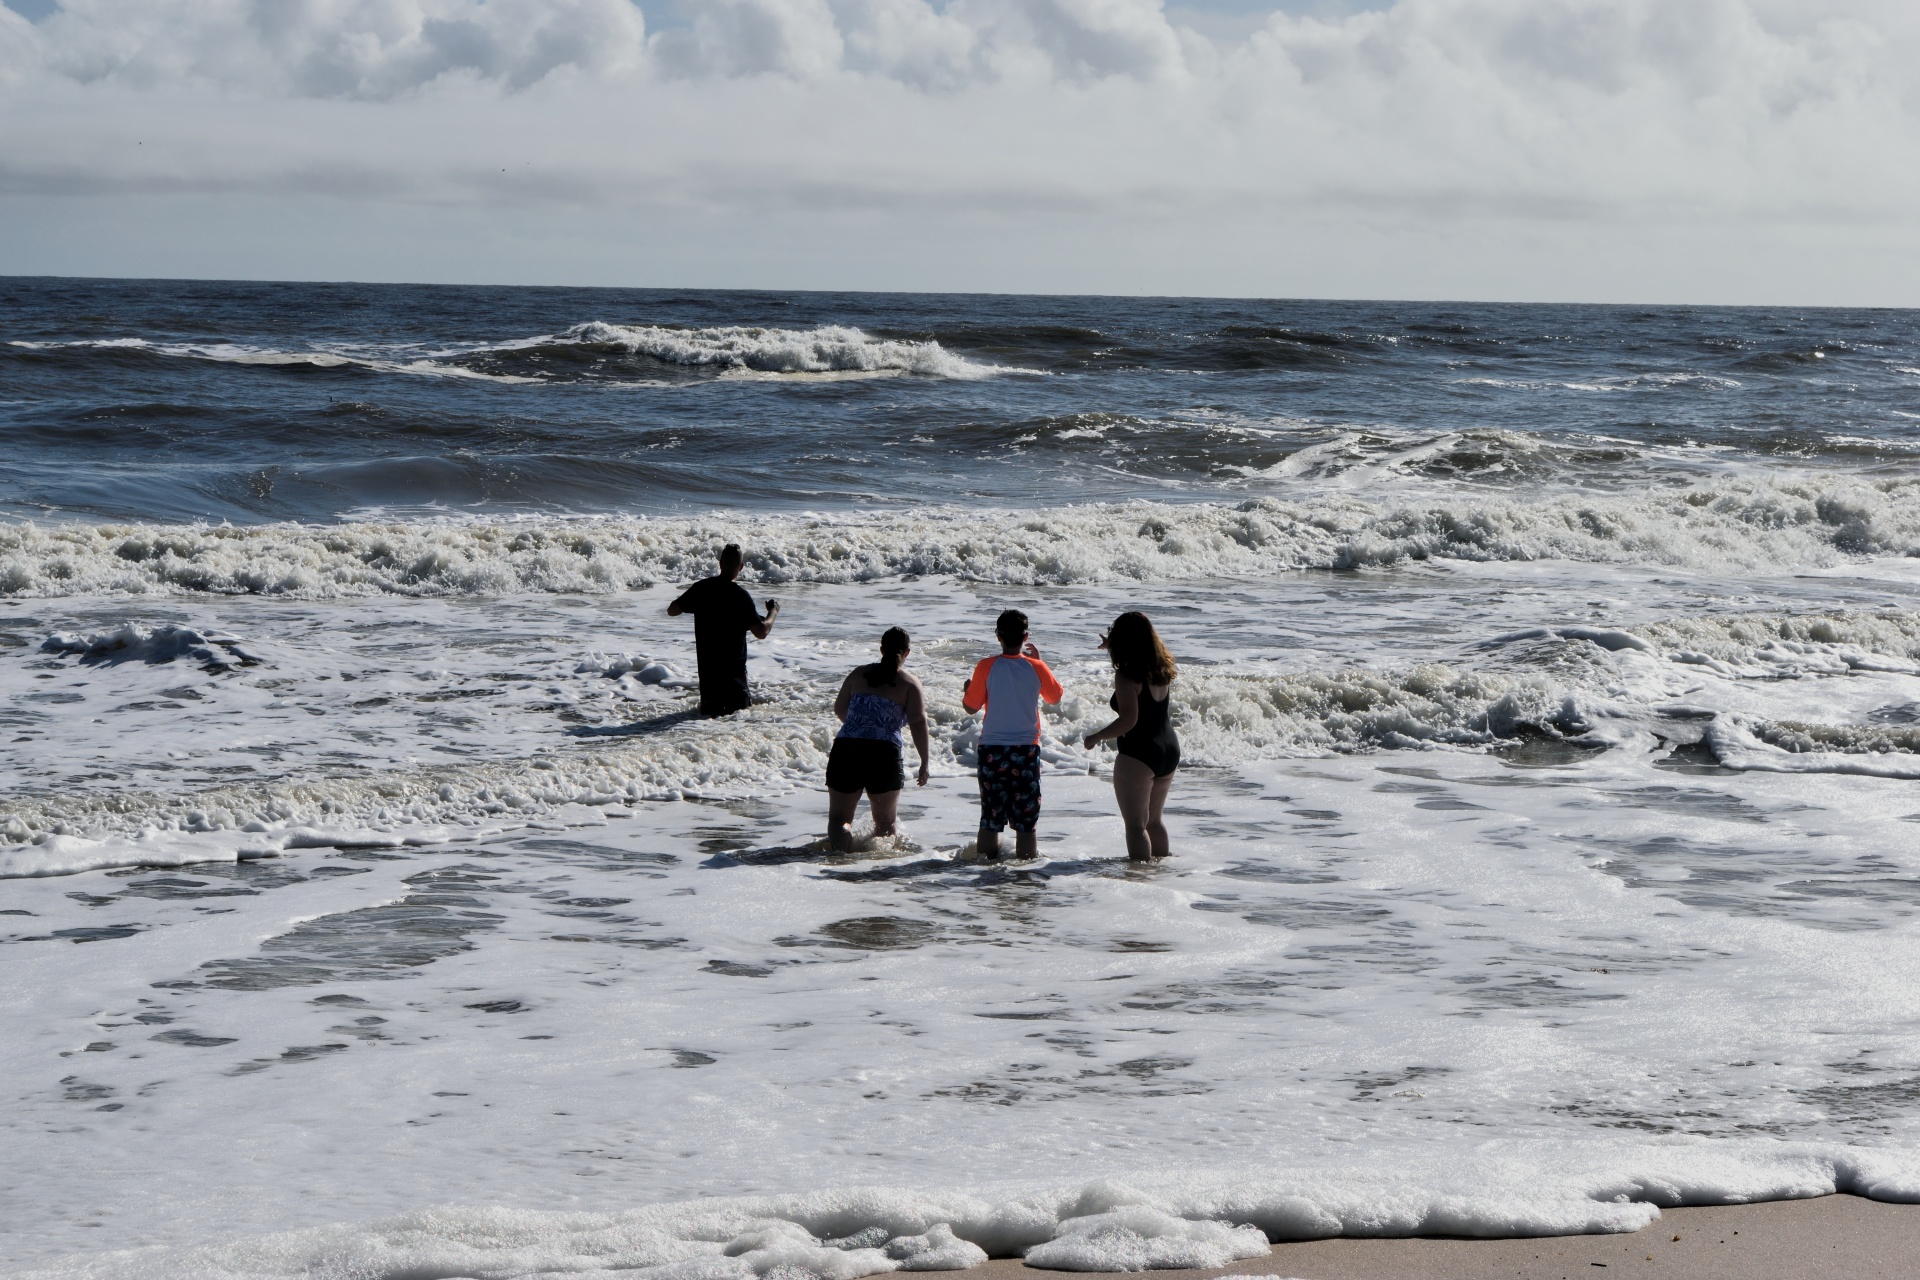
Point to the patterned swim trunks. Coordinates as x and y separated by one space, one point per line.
1009 788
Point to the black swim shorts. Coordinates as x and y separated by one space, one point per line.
865 764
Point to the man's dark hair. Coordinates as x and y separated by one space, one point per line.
1011 627
730 554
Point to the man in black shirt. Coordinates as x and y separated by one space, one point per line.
723 613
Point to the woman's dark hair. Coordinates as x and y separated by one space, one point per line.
1136 650
893 647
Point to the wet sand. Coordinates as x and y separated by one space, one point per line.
1833 1236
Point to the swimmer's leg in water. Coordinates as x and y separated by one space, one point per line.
1026 845
841 806
886 812
1142 799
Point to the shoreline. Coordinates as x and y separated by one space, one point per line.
1830 1236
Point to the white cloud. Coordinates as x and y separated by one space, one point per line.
328 48
1506 119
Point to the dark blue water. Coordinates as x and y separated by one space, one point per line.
179 401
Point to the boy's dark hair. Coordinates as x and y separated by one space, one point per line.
1011 627
730 554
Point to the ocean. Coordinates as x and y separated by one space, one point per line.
375 906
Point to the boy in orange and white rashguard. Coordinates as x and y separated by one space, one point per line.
1009 687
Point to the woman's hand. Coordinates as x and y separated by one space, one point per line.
922 779
1091 741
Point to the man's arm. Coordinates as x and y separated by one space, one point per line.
762 626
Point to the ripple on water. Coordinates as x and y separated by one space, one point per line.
870 933
370 942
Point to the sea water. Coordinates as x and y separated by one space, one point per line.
1545 847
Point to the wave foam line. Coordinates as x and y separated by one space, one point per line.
1738 525
1769 746
1550 683
270 357
825 349
758 752
1499 1190
1563 684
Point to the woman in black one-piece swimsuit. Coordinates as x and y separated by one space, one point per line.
1143 673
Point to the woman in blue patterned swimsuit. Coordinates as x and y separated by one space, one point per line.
876 702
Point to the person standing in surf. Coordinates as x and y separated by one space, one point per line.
723 615
1143 673
1009 687
876 702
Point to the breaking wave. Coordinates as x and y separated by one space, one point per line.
1584 685
738 350
1733 526
270 357
755 349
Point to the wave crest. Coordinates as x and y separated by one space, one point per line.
755 349
1729 526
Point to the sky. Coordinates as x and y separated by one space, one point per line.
1692 151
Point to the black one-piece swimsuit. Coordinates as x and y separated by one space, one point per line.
1152 740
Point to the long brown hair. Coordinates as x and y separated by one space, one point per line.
893 647
1136 650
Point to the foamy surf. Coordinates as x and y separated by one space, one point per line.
559 733
825 351
1736 526
271 358
1546 698
1142 1223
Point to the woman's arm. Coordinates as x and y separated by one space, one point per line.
917 725
845 699
1127 695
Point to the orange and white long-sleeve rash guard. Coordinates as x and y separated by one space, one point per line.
1010 687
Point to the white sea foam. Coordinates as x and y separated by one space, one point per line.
132 642
272 357
1357 966
1727 526
1776 747
636 741
1207 1220
823 351
757 349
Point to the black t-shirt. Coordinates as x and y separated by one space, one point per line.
722 612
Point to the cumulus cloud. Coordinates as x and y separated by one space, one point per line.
325 48
1531 112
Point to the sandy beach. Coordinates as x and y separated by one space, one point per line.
1832 1236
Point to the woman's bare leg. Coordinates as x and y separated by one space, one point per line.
1133 788
840 810
1156 828
886 811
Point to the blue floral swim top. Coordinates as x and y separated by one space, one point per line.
871 716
